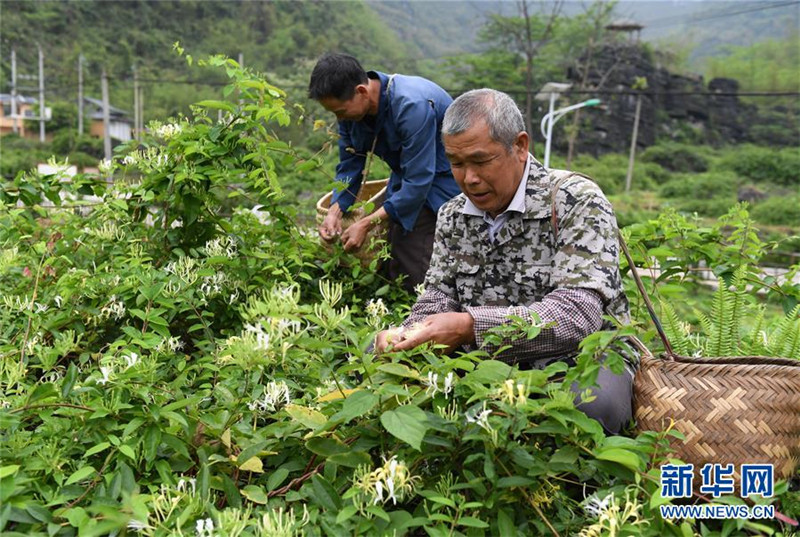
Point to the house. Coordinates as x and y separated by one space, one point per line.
119 122
25 110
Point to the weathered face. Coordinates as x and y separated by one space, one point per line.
352 109
485 171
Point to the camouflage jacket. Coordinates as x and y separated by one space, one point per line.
527 262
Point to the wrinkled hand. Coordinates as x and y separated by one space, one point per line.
355 236
331 226
386 338
449 329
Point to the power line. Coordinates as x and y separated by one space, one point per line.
672 21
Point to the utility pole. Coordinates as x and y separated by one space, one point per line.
241 65
80 95
106 116
141 110
41 93
14 91
639 84
135 104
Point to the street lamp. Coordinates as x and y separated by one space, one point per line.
552 90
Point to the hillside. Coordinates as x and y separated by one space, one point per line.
277 37
703 28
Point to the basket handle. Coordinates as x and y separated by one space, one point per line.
650 309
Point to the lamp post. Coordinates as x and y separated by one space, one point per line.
552 117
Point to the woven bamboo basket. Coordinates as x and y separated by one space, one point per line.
731 410
373 192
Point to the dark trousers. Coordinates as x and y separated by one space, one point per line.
613 395
411 252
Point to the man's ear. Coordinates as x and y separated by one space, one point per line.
521 145
362 89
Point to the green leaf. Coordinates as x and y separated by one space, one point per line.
325 493
351 459
255 494
127 451
276 478
326 446
408 423
97 449
490 372
357 404
251 451
218 105
6 471
505 523
514 481
41 392
69 380
80 475
624 457
471 522
308 417
400 370
346 512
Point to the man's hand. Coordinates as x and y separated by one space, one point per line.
387 338
450 329
354 236
331 226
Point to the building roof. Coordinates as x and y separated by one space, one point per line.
624 25
113 110
21 99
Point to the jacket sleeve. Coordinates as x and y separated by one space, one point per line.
416 126
348 171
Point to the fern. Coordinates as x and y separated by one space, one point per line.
756 343
785 338
676 331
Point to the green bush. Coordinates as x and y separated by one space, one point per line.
764 164
20 155
708 194
610 170
171 369
778 211
676 157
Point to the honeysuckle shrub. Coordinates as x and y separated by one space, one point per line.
180 357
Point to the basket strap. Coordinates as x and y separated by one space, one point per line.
650 309
365 171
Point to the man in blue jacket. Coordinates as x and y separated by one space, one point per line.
401 118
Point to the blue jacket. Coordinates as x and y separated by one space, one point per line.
409 126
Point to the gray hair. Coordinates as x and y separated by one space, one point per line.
496 108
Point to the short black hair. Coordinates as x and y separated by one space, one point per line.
336 75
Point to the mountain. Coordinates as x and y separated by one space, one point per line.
438 28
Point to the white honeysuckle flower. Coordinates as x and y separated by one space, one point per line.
115 308
376 311
131 159
261 337
448 384
136 525
58 300
432 383
276 396
130 360
480 418
106 372
393 479
594 506
106 166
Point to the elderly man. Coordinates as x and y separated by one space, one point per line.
500 251
399 118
